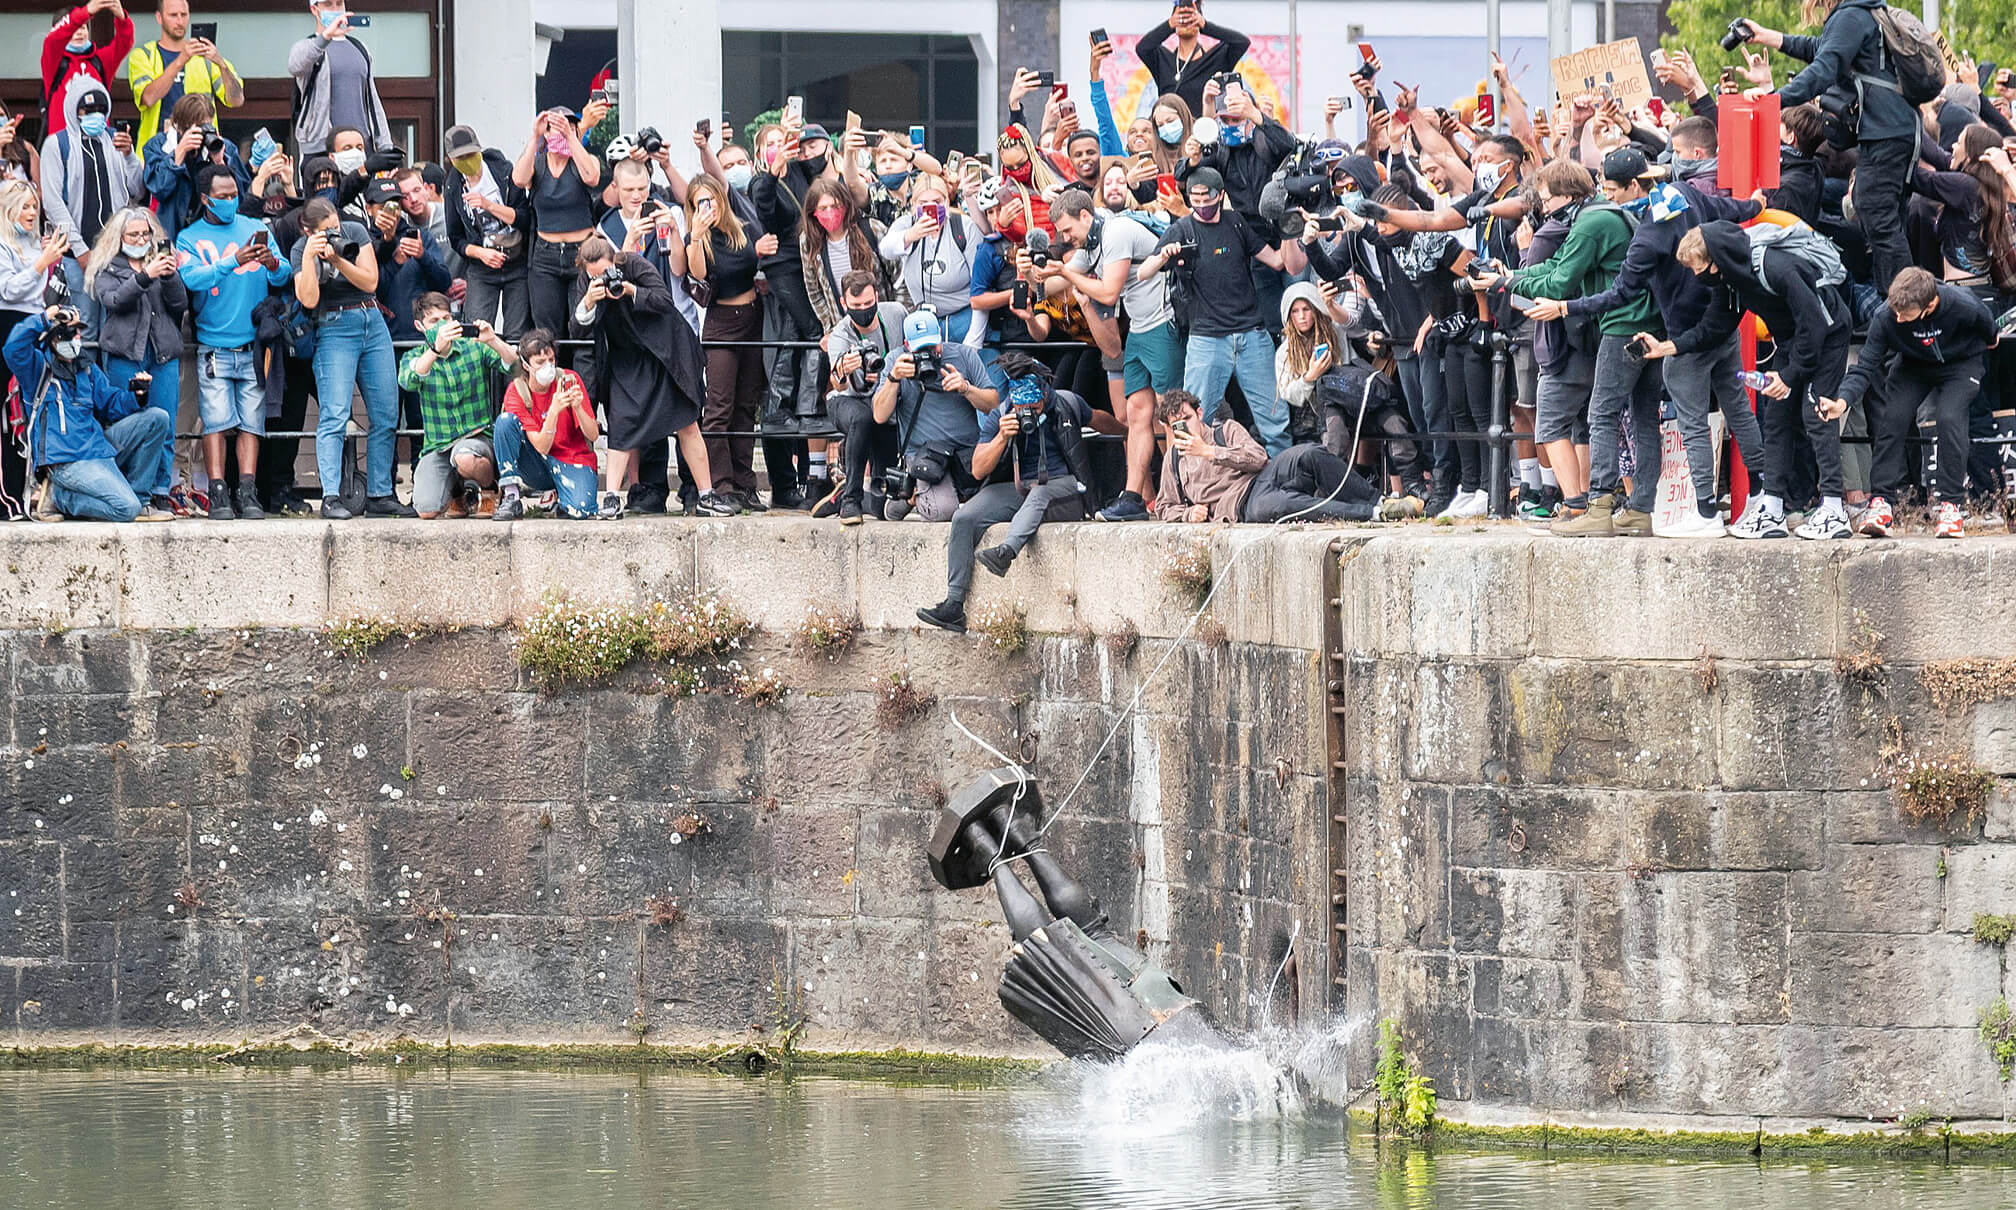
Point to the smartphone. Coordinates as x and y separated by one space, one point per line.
1019 295
1487 109
124 126
206 31
1658 57
261 237
360 20
1181 427
916 135
1365 54
1060 93
1166 183
1330 223
1319 352
794 109
704 128
1520 302
1098 36
1046 79
1728 79
934 212
599 95
1658 108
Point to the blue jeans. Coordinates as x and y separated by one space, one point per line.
114 489
89 309
164 396
1428 408
520 463
1209 362
352 351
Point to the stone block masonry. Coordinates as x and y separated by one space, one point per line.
217 828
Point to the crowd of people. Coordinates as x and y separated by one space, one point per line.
1188 313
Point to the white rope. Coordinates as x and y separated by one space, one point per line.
1021 785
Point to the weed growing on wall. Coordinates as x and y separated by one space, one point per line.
355 638
1862 662
1936 788
569 641
898 701
1122 639
1993 930
1188 572
1003 628
1405 1095
827 629
1998 1034
1954 684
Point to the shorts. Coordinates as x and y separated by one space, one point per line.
1526 374
228 394
435 479
1153 359
1562 403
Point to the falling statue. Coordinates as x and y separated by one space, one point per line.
1070 978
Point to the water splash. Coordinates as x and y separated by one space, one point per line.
1161 1089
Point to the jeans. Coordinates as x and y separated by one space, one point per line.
1209 362
520 464
1466 393
870 447
1056 500
89 309
352 351
1693 380
1785 420
1624 384
1951 390
435 478
502 296
1421 383
228 393
114 489
164 396
550 279
1308 483
1882 184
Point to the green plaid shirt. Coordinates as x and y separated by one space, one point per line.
458 396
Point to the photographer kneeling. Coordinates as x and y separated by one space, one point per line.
1039 429
933 392
859 348
100 443
1218 472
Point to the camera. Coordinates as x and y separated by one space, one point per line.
930 368
872 363
1737 34
213 142
613 280
650 140
898 483
346 249
67 324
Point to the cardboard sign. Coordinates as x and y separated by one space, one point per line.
1619 66
1676 484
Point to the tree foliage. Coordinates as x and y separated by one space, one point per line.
1979 27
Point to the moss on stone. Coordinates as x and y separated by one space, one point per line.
1814 1143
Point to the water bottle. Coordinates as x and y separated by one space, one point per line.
1754 379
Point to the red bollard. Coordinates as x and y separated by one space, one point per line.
1746 133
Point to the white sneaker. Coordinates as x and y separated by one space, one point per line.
1757 523
1825 523
1694 525
1470 504
1455 502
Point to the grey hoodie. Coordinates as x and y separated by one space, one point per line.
63 169
312 128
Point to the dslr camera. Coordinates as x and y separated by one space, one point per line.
613 280
898 483
930 368
649 139
1737 34
872 363
347 249
213 142
67 324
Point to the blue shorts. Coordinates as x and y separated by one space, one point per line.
1153 359
228 393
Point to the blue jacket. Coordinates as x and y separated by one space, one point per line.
1649 263
399 285
68 424
173 186
224 292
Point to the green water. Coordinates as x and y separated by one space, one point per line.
229 1139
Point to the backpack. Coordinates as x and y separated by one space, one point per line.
1815 253
1914 56
301 92
66 67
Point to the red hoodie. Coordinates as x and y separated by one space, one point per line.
58 64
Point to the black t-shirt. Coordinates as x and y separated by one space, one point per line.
339 292
1222 299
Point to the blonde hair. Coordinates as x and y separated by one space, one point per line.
1693 249
1301 346
726 221
112 237
1816 12
14 195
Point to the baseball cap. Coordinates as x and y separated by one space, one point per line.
921 331
1626 164
1205 178
1025 392
813 131
379 190
460 141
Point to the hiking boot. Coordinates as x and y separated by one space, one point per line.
1951 523
1876 519
220 506
1630 523
997 559
1127 506
1597 521
945 615
248 503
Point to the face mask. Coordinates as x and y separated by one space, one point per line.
863 317
1170 132
432 332
831 220
556 144
349 161
1687 169
69 350
892 181
92 124
20 230
329 20
1207 211
468 165
135 251
545 376
1231 136
739 177
816 164
330 195
79 46
1489 176
1020 174
223 209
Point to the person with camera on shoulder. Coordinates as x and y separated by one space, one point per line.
131 275
99 443
933 391
860 347
1217 472
647 370
188 144
489 221
1036 432
336 281
227 260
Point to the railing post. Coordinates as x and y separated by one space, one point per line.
1501 374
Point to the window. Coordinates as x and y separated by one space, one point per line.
891 80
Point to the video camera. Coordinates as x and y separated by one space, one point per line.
1301 183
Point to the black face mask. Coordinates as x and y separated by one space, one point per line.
815 165
863 317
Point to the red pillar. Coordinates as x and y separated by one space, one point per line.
1747 151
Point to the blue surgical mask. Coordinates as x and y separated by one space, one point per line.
223 210
135 251
893 181
1170 132
80 45
329 19
24 231
739 177
92 124
1231 135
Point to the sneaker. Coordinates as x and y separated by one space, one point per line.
1438 502
150 513
896 510
289 503
1825 523
829 506
877 502
1694 525
612 507
1876 519
1597 521
945 615
510 508
1469 505
248 503
714 504
1533 505
647 498
850 513
789 500
1951 524
387 506
1127 506
1630 523
472 499
220 506
1758 522
997 559
1449 505
333 510
185 501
